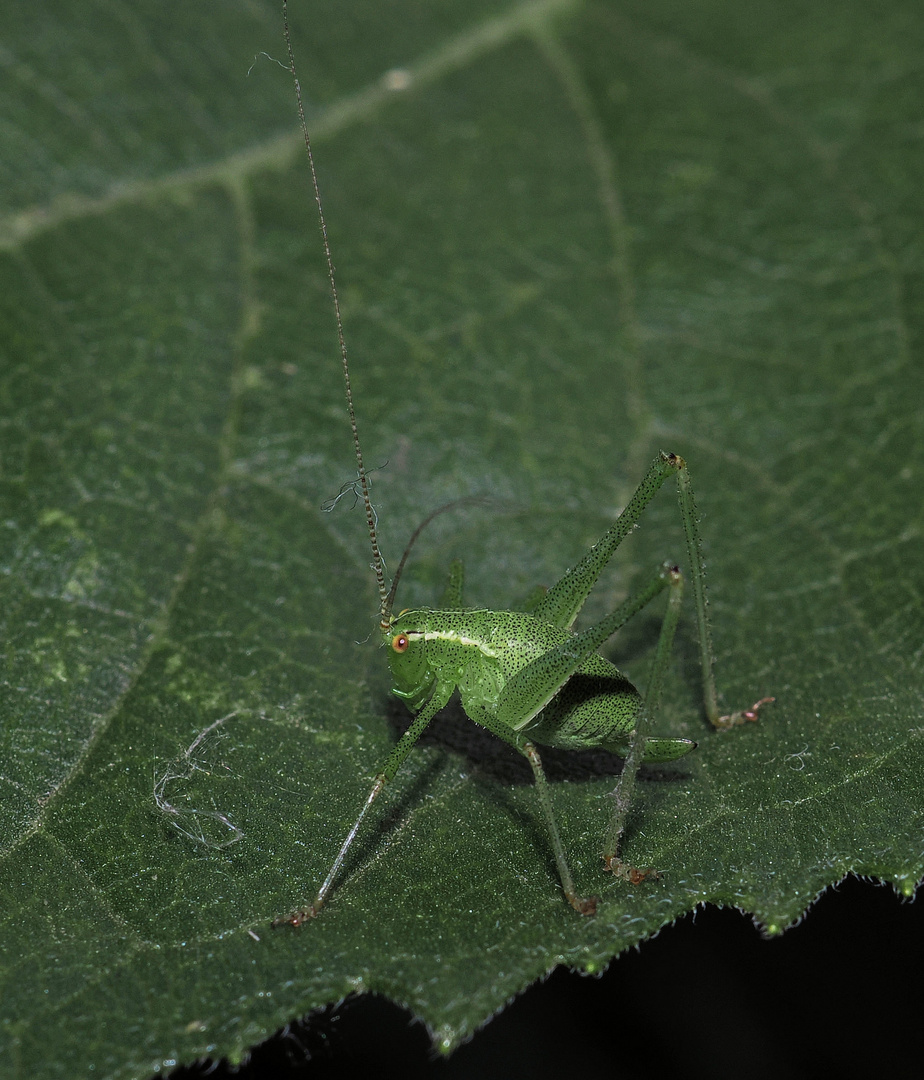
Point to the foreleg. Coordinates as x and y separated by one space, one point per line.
404 746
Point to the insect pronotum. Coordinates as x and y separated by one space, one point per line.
514 670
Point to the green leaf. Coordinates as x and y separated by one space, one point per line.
566 236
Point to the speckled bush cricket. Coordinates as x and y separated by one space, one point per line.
526 676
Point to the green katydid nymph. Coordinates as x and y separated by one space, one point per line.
527 676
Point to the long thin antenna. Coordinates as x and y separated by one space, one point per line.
466 500
378 564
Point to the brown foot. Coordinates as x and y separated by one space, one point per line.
625 872
743 716
584 905
296 918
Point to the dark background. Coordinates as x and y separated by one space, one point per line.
840 994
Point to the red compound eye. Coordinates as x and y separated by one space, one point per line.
400 642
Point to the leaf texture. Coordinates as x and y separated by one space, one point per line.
566 236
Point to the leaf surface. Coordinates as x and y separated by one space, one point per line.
566 236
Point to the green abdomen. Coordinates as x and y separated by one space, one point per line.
594 708
598 704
